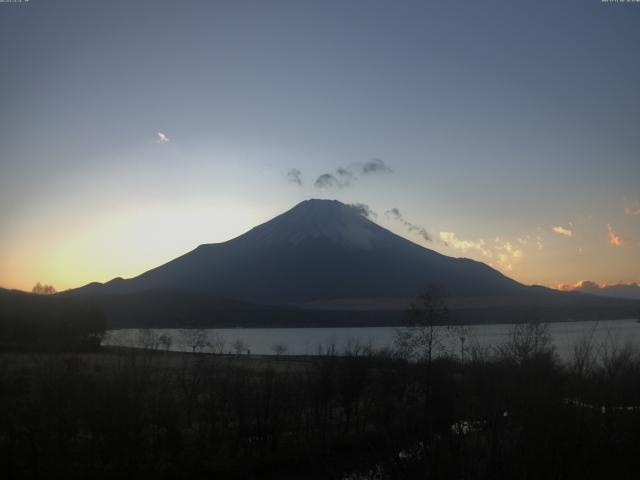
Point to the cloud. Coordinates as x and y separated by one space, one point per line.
345 176
451 239
341 179
504 261
583 285
162 138
294 175
364 210
562 231
411 227
395 213
504 253
326 180
507 254
375 165
633 212
614 238
510 249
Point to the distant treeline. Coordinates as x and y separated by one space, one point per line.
49 322
176 309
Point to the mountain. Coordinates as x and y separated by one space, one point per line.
318 250
323 263
621 290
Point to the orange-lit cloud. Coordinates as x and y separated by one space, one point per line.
452 240
507 254
562 231
629 211
581 285
503 261
514 252
614 238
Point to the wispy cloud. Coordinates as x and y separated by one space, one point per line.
410 226
614 238
632 211
162 138
375 165
294 175
562 231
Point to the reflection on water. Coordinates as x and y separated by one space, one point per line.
311 341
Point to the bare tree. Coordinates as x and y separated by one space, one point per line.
216 343
421 339
239 346
427 326
195 339
279 349
528 341
149 339
165 341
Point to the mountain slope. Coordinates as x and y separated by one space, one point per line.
318 250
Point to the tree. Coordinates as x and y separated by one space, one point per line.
279 349
427 325
40 289
528 341
239 346
217 342
195 339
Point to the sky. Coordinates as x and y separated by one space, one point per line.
504 131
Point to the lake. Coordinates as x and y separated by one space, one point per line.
311 341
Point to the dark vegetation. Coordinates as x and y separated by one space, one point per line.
41 289
414 411
42 321
514 412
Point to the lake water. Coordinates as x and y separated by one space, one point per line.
311 341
